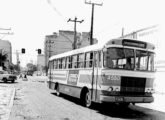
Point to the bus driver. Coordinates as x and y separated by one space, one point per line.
128 64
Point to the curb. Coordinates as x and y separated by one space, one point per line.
11 103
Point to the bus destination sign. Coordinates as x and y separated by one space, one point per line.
131 43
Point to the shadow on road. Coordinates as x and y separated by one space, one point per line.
111 110
8 82
117 111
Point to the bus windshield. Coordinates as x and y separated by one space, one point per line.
125 58
144 60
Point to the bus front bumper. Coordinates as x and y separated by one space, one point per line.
118 99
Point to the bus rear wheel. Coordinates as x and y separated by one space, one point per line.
57 89
86 99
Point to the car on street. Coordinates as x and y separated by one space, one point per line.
5 76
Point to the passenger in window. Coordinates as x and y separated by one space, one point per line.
128 64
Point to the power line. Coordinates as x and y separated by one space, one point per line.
55 9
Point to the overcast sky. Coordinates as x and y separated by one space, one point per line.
31 20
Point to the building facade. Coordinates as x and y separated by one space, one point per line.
63 41
40 62
6 49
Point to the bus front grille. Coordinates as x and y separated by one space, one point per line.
132 86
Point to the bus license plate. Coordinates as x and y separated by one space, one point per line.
119 99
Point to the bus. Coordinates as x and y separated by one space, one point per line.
99 73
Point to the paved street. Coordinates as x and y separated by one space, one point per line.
34 101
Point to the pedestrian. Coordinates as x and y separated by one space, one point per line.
20 76
25 76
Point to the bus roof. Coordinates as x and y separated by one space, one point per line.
94 47
117 42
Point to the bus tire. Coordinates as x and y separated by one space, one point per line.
86 98
5 80
13 81
57 89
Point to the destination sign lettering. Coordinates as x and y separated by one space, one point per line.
134 43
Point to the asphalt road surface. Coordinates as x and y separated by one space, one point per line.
34 101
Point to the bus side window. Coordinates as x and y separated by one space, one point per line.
96 59
70 62
59 63
54 64
81 60
74 61
88 59
99 58
63 63
67 62
91 60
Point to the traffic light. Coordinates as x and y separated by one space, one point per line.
23 50
39 51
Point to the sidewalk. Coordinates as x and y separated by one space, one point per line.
6 101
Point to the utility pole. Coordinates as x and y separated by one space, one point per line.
18 61
92 19
75 34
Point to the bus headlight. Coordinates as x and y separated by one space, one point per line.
152 90
149 90
110 89
114 88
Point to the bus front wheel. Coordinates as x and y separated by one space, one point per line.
86 99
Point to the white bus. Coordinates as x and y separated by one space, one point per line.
120 71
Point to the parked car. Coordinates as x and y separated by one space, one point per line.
5 76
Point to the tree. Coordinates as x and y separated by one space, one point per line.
31 67
17 68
